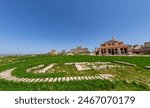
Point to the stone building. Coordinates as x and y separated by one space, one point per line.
142 49
146 48
137 49
79 50
53 52
114 47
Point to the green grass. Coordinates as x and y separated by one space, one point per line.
95 85
138 75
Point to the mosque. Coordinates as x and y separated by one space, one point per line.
114 47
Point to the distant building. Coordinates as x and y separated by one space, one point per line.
79 50
53 52
114 47
137 49
142 49
146 48
63 52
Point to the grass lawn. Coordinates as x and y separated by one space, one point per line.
126 77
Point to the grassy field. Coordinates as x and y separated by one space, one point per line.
126 78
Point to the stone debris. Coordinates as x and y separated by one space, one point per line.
7 76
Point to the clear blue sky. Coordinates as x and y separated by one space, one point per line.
37 26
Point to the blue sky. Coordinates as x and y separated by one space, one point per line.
37 26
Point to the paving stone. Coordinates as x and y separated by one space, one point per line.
86 78
44 70
54 80
82 78
27 79
89 77
7 75
41 80
96 77
59 79
12 79
67 78
50 80
23 79
99 77
37 80
45 80
105 76
32 80
63 79
71 78
75 78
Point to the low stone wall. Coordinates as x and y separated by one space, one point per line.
35 67
44 70
105 67
147 67
125 63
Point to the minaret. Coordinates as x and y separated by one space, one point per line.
114 38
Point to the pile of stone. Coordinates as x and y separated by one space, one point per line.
125 63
